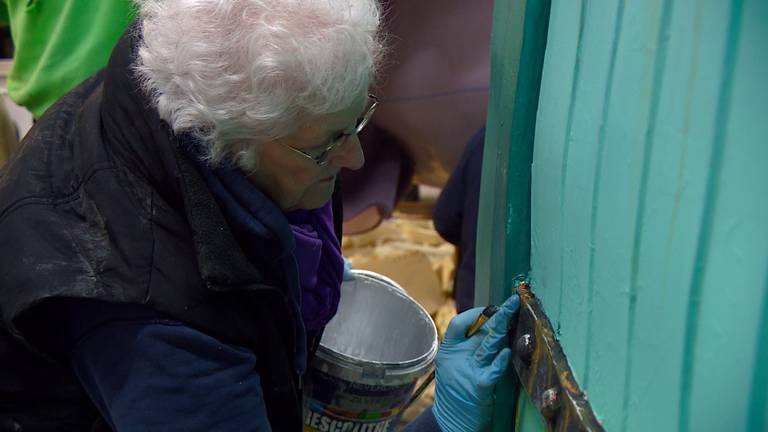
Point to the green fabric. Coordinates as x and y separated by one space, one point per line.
58 43
4 21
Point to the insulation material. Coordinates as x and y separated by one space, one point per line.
408 250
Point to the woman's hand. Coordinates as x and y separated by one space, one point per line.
469 368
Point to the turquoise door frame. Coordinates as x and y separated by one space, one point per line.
504 219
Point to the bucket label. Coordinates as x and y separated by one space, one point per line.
332 404
317 422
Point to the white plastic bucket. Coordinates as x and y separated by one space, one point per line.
372 353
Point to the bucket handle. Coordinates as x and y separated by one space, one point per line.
419 391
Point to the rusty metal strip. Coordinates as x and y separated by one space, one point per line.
543 370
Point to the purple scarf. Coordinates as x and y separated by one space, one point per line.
321 266
258 224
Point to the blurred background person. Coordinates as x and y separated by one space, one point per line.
56 45
434 94
59 43
455 217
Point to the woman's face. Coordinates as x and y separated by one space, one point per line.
294 181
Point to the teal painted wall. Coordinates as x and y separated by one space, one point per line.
649 225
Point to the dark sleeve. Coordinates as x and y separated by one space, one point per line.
161 375
425 422
460 191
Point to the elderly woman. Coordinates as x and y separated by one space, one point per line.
170 228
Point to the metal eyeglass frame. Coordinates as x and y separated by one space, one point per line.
322 159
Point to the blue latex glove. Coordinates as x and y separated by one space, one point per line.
348 275
468 369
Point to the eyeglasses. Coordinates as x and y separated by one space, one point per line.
322 158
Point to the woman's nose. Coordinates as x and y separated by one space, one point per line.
349 155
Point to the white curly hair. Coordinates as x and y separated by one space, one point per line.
239 73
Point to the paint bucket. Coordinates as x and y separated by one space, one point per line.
370 357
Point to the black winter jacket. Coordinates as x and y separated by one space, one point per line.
100 204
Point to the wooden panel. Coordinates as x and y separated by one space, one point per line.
616 205
724 309
679 157
555 97
649 240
